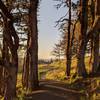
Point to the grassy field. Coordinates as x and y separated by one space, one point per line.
56 71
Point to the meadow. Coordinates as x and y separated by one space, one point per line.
89 88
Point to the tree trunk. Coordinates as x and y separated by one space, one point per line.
25 73
94 32
81 58
11 80
33 46
12 42
83 43
5 57
1 80
12 68
30 69
96 53
68 50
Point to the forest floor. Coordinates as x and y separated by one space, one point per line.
61 90
54 90
55 86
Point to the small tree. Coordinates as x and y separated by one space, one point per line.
57 51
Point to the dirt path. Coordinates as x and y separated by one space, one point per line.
54 90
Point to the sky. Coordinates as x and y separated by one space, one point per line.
48 33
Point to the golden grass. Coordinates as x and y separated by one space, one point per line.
56 71
59 68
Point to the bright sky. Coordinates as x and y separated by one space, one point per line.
48 34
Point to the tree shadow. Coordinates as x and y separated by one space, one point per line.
54 90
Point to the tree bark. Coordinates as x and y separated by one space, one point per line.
25 73
83 42
68 50
30 77
96 60
1 80
11 81
33 45
12 44
94 34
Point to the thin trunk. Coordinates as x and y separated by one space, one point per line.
25 73
68 50
26 64
1 80
96 54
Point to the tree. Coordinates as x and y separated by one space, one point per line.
94 34
68 49
83 40
11 67
32 49
57 51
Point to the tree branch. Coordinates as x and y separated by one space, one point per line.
5 10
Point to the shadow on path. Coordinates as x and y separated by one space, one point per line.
53 90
